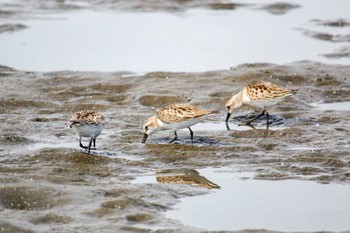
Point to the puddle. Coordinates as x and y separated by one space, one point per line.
245 203
340 106
178 176
143 42
287 205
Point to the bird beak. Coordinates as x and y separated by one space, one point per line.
144 138
228 116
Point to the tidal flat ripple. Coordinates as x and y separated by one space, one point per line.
48 183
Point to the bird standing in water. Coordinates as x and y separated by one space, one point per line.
89 124
261 95
174 117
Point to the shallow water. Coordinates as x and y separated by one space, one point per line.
193 40
340 106
245 203
304 143
49 184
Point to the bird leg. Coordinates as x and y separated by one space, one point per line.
87 147
90 145
191 132
81 145
267 120
94 143
227 126
251 120
174 138
228 116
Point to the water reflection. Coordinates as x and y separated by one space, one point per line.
185 176
287 205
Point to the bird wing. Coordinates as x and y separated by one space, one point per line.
180 112
259 91
88 116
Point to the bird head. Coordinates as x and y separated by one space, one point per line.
149 127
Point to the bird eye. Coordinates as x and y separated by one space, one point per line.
146 128
228 107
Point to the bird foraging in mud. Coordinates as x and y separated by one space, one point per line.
89 124
261 95
174 117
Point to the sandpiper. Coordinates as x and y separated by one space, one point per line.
260 95
174 117
89 124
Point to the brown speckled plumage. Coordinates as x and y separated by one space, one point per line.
87 117
174 117
258 94
266 91
181 112
88 124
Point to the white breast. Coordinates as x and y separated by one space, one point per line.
265 103
180 125
87 130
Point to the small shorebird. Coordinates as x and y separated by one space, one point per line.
174 117
87 124
260 95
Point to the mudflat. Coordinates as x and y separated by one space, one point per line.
49 183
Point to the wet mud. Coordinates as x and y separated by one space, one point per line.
16 9
49 183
